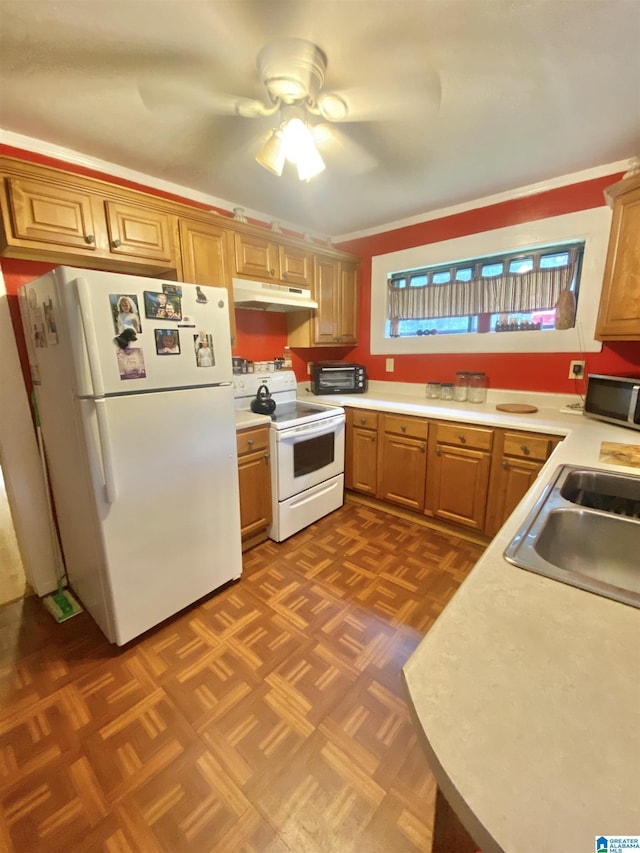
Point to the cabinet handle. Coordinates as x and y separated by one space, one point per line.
423 448
505 464
372 436
525 449
462 439
90 239
363 421
403 428
250 442
284 274
116 244
267 457
272 273
438 451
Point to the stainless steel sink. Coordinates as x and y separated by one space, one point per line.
584 530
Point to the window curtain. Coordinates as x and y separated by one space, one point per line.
536 290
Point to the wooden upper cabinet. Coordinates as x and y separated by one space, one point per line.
139 232
619 313
295 265
205 259
41 212
255 257
56 216
335 323
264 259
347 319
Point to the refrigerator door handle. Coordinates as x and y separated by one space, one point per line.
91 341
105 451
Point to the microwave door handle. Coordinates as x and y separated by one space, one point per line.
633 404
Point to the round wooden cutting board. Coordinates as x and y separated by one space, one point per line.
516 408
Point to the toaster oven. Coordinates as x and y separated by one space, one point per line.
338 377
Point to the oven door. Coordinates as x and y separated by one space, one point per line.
307 455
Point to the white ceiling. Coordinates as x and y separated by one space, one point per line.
461 98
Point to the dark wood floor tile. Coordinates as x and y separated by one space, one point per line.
139 744
321 800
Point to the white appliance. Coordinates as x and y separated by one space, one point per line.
269 296
306 443
133 381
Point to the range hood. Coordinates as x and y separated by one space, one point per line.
266 296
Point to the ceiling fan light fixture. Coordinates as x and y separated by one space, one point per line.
300 149
271 156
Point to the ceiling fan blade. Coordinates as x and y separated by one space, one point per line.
420 96
187 97
342 151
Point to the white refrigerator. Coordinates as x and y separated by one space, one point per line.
133 381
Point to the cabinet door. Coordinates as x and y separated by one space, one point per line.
619 313
458 485
326 294
255 256
347 317
205 259
255 484
45 213
403 466
255 493
361 463
515 478
518 459
139 232
296 266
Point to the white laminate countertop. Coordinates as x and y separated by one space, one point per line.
244 420
527 690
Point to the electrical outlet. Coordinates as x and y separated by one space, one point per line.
390 365
309 368
576 370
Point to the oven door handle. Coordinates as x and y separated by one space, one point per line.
305 431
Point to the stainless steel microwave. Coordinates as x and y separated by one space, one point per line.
338 377
615 399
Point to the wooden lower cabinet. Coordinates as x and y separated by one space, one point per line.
254 476
403 461
361 468
458 473
454 472
517 460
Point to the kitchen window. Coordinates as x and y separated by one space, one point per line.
531 290
507 253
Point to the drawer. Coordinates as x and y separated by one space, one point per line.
527 446
414 427
251 440
362 418
464 436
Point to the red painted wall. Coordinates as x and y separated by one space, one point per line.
519 371
263 335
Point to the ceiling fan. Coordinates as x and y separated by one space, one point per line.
293 72
305 116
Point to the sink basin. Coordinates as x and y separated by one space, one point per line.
585 531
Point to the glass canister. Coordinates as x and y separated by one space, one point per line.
477 388
446 391
461 387
433 390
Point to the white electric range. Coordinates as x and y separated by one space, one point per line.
307 452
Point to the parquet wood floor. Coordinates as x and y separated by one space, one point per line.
270 717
